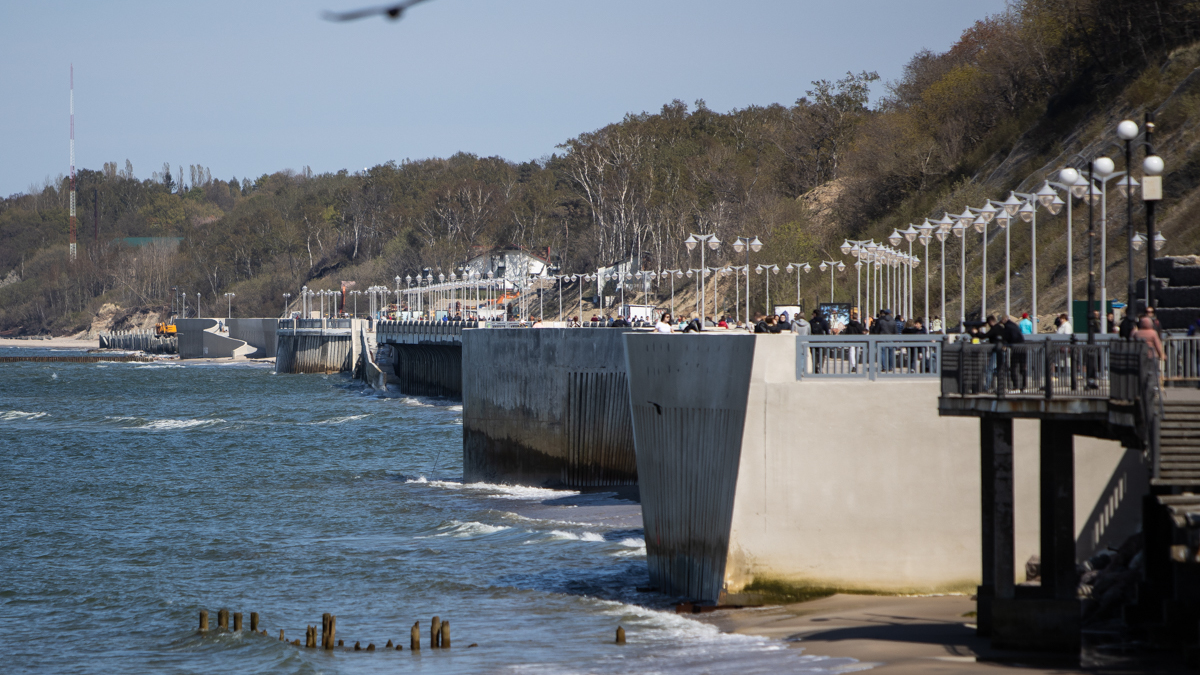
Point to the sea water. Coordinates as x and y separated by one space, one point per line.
136 495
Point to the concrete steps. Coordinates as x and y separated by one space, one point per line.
1179 439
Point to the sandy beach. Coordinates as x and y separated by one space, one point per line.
897 635
52 343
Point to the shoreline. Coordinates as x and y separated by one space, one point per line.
52 343
899 635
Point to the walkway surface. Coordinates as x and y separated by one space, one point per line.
897 635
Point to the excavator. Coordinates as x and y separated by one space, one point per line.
165 329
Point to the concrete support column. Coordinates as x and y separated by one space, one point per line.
1057 510
996 510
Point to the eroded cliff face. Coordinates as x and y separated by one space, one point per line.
112 318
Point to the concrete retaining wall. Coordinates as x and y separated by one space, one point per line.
546 407
426 370
258 333
145 341
197 340
314 353
752 480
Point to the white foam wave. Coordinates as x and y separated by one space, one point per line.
498 491
337 420
164 425
572 536
157 366
457 528
20 415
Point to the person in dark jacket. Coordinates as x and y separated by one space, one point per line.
818 324
886 324
1013 335
855 326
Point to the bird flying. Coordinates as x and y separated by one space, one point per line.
392 12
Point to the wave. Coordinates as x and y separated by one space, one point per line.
495 490
336 420
165 425
457 528
571 536
20 415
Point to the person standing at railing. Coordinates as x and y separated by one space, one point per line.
1014 335
1064 325
1025 324
855 327
800 326
1147 334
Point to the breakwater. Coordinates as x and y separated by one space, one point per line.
546 406
317 345
142 341
120 358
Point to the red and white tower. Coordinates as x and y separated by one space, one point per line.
72 162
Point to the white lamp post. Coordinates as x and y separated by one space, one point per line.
797 267
744 244
831 265
943 231
769 269
229 305
713 243
925 237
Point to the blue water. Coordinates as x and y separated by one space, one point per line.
135 495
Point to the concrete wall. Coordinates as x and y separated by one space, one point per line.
320 350
750 478
426 370
258 333
198 341
546 406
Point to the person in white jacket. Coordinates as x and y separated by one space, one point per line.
1064 325
664 324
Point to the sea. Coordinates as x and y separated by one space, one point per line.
135 495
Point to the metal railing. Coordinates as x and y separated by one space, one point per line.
1183 359
1047 367
868 356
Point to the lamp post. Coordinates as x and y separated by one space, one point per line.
713 243
355 294
960 231
831 265
943 231
925 237
797 267
1075 186
1127 130
771 269
229 305
1152 168
745 244
286 296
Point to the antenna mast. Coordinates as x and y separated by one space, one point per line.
72 162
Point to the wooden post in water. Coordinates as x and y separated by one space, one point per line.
237 621
435 632
388 645
223 619
254 622
445 637
370 646
281 637
204 621
620 635
296 642
356 647
415 644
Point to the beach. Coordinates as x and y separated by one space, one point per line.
896 635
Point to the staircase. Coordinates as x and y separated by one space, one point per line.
1179 439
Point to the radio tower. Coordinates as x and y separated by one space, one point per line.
72 162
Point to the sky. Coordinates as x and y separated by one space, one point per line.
247 88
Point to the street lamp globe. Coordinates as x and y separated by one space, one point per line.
756 245
945 223
1153 165
965 217
1127 186
690 242
1159 241
1127 130
846 247
842 266
988 212
1026 211
714 243
1068 176
1103 166
895 237
980 224
1138 241
911 233
958 229
1046 195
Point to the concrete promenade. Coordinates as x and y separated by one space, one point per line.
759 478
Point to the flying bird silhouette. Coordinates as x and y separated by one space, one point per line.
392 12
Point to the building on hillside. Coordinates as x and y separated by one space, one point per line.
511 263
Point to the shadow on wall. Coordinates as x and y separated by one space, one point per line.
1118 511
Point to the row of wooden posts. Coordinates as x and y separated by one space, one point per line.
439 632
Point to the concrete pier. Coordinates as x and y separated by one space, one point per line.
318 345
144 341
761 477
200 339
546 406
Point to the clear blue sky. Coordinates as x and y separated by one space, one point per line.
247 88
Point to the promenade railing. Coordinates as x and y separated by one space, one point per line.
1182 363
868 357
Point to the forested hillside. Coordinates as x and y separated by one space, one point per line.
1019 94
